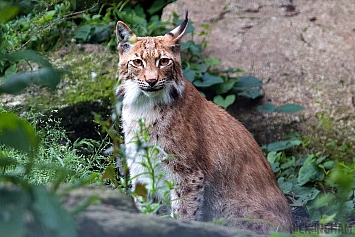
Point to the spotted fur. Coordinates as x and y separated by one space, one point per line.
218 168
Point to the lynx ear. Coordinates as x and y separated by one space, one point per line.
179 31
125 37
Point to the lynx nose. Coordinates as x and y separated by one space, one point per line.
152 82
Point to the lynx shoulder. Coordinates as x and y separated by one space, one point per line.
218 168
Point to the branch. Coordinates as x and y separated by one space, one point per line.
43 28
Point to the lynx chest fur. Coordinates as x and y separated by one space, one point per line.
218 168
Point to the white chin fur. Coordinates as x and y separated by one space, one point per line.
135 96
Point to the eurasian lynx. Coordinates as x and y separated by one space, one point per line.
218 168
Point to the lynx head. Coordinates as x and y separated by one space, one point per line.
150 67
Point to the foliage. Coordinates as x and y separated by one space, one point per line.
98 27
91 78
324 186
88 79
286 108
14 82
202 73
23 196
28 162
40 29
154 179
47 25
145 194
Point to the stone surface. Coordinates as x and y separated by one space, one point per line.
303 51
114 214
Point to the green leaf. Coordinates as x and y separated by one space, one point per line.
27 55
289 108
232 70
193 49
275 167
224 103
206 26
51 215
288 163
6 161
315 215
252 94
325 121
157 6
331 144
13 204
341 176
269 108
344 147
279 146
329 164
7 12
310 172
208 80
202 67
226 86
48 16
286 187
17 133
296 142
8 73
189 74
321 159
304 193
100 34
212 62
273 156
46 76
82 32
327 219
248 82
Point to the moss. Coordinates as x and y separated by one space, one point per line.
92 76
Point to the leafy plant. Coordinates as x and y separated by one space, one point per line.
14 82
27 206
154 180
202 73
315 181
99 28
23 196
44 23
286 108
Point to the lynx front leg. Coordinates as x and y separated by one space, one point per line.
188 197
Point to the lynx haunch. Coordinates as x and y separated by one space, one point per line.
218 168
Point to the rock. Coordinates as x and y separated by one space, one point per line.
303 51
116 215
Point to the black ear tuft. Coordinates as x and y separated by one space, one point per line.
179 31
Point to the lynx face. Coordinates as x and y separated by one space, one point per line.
149 67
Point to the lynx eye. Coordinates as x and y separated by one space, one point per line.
137 62
164 61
